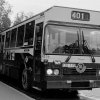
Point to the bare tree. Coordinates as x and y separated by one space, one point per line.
21 17
5 10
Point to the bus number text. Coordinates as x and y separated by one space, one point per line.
83 16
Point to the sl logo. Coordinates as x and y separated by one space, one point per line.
80 68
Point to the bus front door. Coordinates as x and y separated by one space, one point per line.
37 51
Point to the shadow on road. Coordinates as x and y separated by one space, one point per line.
58 95
37 95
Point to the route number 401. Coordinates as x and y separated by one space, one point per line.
83 16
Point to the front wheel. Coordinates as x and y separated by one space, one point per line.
26 79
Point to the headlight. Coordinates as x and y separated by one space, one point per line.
99 72
56 72
49 71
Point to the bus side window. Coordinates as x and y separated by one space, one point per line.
13 37
29 33
20 35
0 42
3 38
39 31
7 42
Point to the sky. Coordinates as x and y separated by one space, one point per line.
37 6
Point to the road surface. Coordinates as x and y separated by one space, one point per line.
9 93
94 93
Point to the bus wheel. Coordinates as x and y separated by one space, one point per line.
26 79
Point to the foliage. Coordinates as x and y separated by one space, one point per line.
21 17
5 10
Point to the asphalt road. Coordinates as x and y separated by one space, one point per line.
8 92
94 93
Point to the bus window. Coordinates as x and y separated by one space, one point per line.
3 38
20 35
7 42
0 43
13 37
29 33
0 38
39 30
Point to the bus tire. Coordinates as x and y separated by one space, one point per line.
26 79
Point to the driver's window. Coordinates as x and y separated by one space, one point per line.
59 36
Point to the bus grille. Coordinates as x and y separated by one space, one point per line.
67 71
80 84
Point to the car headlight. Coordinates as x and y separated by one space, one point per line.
49 71
56 72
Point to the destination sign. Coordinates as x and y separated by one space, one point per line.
83 16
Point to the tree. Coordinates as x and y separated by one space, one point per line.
5 10
21 17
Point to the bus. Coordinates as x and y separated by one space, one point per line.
56 49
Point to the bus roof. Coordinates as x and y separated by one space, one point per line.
66 14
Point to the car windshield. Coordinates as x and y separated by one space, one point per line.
61 39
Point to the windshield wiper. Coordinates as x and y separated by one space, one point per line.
86 47
72 46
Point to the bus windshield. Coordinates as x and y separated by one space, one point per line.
66 40
61 39
91 40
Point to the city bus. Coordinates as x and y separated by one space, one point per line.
56 49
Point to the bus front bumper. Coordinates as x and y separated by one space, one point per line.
81 85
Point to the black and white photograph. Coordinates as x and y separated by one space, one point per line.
49 50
